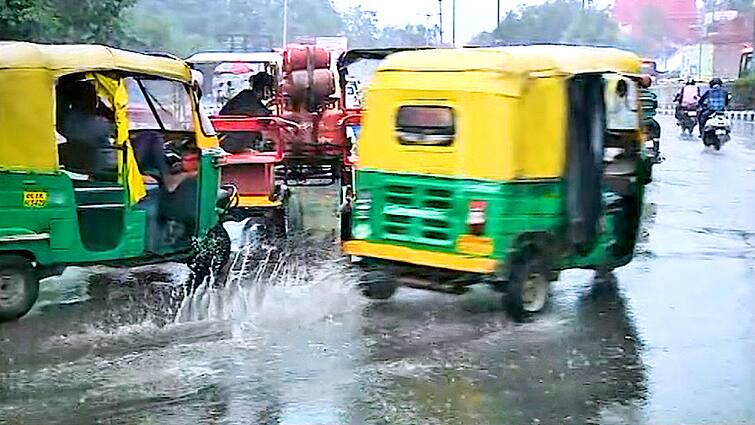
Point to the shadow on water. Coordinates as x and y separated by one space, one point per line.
444 363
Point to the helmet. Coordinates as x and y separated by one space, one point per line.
645 81
716 82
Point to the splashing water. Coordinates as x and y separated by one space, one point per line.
295 266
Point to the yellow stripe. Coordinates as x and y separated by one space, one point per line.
257 201
419 257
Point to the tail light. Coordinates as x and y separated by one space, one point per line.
476 218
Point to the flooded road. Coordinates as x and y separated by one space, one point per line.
671 341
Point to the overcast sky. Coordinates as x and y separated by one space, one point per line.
472 16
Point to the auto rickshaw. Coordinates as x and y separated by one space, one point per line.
104 159
502 166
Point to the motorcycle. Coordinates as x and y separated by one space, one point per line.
687 121
717 130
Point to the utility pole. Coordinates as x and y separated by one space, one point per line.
285 23
440 8
498 16
453 28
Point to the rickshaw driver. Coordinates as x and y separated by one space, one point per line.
248 102
87 131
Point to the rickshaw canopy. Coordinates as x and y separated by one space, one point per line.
508 109
28 74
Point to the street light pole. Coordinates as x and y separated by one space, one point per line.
498 16
285 23
453 28
440 7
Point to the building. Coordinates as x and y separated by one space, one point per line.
680 17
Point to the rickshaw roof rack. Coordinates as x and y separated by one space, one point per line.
62 59
520 59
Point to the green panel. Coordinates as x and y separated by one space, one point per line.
58 219
209 185
430 212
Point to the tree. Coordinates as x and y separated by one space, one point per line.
361 27
552 22
408 36
93 21
592 27
24 19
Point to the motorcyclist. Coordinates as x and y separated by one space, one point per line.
686 99
716 99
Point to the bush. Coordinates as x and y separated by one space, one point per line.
743 95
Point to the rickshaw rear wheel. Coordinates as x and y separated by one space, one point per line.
528 287
378 285
19 287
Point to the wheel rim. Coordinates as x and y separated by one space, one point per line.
534 293
12 290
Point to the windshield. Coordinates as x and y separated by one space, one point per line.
159 105
358 78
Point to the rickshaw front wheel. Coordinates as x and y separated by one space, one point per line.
19 287
528 287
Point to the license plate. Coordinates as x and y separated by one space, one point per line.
692 114
720 132
35 199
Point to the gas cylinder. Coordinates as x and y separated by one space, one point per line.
322 84
295 58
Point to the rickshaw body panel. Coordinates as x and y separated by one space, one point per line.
46 229
508 153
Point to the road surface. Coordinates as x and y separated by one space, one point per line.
672 341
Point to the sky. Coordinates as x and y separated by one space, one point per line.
472 16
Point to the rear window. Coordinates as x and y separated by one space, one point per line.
426 125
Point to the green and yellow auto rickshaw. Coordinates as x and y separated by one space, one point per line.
501 165
104 159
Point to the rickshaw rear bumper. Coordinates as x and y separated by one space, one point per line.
418 257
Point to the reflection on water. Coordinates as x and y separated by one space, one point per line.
451 363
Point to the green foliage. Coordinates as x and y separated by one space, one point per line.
96 21
24 19
553 22
744 93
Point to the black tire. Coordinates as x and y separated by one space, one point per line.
378 285
19 287
528 286
717 144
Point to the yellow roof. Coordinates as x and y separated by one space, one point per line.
557 59
72 58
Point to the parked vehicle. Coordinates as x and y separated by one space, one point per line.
104 160
717 130
503 165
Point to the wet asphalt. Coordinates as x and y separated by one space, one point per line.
670 341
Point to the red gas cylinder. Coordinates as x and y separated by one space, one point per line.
296 58
329 130
322 83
